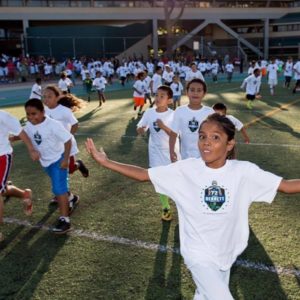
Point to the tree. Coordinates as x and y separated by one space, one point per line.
170 21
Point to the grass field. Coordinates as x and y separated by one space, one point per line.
113 251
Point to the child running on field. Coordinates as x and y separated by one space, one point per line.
10 125
213 196
252 83
139 89
99 83
177 89
88 84
187 119
221 109
158 121
54 143
59 107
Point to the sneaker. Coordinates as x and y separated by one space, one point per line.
249 105
61 227
166 215
82 168
73 203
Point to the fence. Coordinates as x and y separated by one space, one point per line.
63 47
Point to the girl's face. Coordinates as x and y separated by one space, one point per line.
34 116
50 99
214 145
162 99
195 93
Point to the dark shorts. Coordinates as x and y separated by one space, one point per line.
250 97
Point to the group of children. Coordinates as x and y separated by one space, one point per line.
212 191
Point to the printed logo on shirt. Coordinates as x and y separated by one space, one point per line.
156 127
214 196
193 125
37 138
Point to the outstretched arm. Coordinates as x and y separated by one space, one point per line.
289 186
101 158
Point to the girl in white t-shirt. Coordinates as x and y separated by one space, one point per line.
158 121
53 142
187 119
177 88
65 83
213 196
61 107
9 125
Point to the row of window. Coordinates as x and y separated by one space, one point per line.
273 28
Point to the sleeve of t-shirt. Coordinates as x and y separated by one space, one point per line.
144 122
236 122
262 185
12 124
174 126
71 118
163 179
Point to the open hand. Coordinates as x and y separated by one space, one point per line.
98 155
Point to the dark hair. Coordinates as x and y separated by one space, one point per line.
63 75
36 103
158 68
54 89
256 70
226 125
167 89
219 106
72 102
197 80
140 75
38 80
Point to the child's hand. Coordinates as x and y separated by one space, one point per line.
35 155
64 164
99 156
160 123
173 157
141 130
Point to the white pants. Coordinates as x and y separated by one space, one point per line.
212 283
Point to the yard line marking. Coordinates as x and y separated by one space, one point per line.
151 246
271 113
138 137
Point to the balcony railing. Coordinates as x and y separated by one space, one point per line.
149 3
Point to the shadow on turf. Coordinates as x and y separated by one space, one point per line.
25 264
249 284
161 285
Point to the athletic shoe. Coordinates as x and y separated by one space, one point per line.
61 227
249 105
82 168
73 203
166 215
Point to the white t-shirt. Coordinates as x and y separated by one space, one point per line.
168 76
8 125
65 116
158 147
288 69
156 82
213 206
236 122
48 138
36 92
193 75
252 84
229 68
186 124
296 68
141 87
99 83
147 81
177 88
63 85
272 70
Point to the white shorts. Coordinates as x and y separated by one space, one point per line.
212 283
272 82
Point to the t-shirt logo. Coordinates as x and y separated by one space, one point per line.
37 138
193 125
214 196
156 127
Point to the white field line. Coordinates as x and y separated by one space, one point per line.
156 247
136 136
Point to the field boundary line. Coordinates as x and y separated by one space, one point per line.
271 113
152 246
